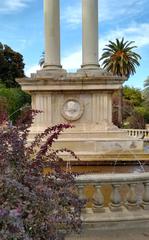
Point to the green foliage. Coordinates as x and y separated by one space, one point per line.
140 110
11 66
136 120
134 112
15 99
119 59
42 59
134 95
137 114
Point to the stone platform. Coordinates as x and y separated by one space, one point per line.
100 146
82 99
136 233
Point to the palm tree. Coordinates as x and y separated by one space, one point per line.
42 60
120 59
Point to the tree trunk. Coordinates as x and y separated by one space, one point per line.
120 107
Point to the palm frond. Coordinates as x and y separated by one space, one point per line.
119 58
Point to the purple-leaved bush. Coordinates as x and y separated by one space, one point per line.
35 205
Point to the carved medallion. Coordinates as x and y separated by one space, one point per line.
72 109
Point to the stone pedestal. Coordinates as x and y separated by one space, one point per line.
84 100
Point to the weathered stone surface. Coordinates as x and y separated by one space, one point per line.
130 225
83 99
136 233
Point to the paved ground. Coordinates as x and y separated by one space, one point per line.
131 234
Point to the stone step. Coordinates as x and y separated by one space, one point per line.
107 158
130 225
101 146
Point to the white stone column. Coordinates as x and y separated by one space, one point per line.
52 34
90 34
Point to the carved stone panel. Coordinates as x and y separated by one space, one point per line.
72 109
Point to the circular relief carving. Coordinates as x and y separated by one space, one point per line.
72 109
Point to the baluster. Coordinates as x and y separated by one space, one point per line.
131 133
138 133
82 196
115 204
98 200
145 203
132 197
134 133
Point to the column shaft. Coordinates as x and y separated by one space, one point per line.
52 34
90 34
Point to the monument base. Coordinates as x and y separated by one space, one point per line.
82 99
92 145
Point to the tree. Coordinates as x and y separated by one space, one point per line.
13 100
134 112
119 59
3 104
136 120
133 95
146 92
11 66
38 198
42 59
126 110
146 99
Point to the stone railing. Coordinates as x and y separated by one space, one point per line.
139 133
118 202
114 191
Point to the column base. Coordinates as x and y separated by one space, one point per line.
50 72
90 66
92 70
52 66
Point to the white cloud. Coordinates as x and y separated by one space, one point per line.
115 9
72 15
12 5
108 11
136 32
31 69
72 61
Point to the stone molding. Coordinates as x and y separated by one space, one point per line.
82 80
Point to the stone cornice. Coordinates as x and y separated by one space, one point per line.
57 81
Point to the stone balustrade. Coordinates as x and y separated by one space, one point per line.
139 133
130 191
126 208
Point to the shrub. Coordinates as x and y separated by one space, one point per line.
35 205
15 100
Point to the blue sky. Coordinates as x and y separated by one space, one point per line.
21 27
